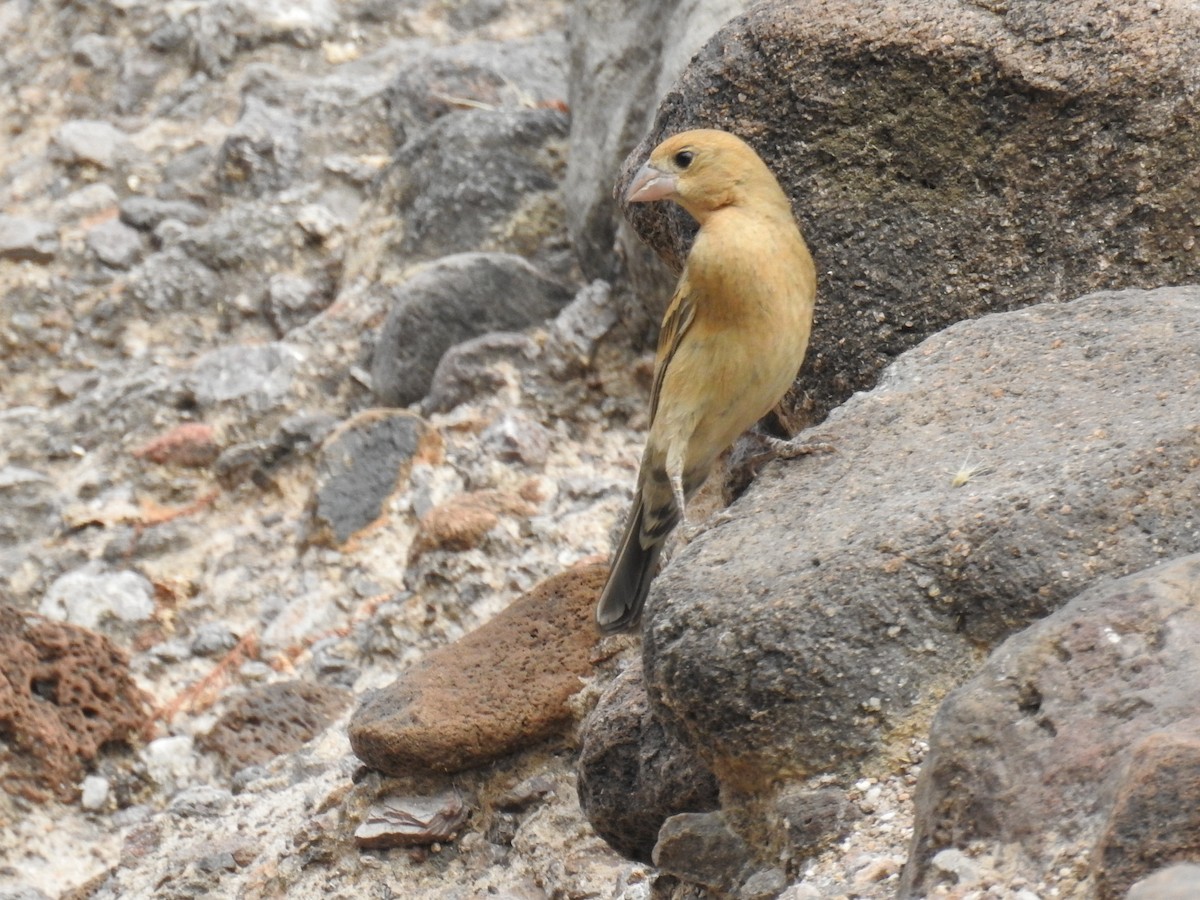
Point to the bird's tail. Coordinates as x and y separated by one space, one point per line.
629 579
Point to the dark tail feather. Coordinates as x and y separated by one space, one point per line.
629 580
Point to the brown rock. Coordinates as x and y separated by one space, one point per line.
269 721
65 692
1156 818
191 444
502 687
461 522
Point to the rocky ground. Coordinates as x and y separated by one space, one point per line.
243 484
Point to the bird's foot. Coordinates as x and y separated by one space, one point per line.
782 449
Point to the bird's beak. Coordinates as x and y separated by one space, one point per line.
650 184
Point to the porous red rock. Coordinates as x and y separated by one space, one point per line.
65 692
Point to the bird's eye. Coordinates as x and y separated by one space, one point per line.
684 158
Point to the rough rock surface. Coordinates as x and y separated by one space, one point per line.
66 693
362 465
1081 730
457 298
634 774
498 689
954 158
272 720
955 510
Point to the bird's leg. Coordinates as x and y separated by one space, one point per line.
686 531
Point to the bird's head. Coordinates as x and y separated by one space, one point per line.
703 171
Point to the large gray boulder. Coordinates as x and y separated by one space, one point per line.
948 159
1002 467
1083 730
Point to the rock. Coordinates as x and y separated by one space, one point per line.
29 505
115 244
272 720
94 200
462 521
362 464
95 598
147 213
576 332
91 142
502 687
913 137
1177 882
622 53
191 444
256 377
1080 727
450 301
292 300
1156 816
24 239
171 281
213 639
1000 468
202 800
702 849
479 365
814 819
262 152
517 438
482 180
492 74
170 761
404 821
634 774
93 793
94 51
66 694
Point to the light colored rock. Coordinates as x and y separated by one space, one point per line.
96 598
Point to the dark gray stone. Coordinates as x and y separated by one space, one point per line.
1000 468
450 301
360 467
1083 729
813 819
702 849
623 55
633 774
470 181
492 73
173 281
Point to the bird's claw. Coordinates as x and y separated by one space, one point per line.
782 449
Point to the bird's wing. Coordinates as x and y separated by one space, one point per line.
679 317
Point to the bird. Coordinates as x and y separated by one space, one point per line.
731 342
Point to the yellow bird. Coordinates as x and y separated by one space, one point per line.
731 342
